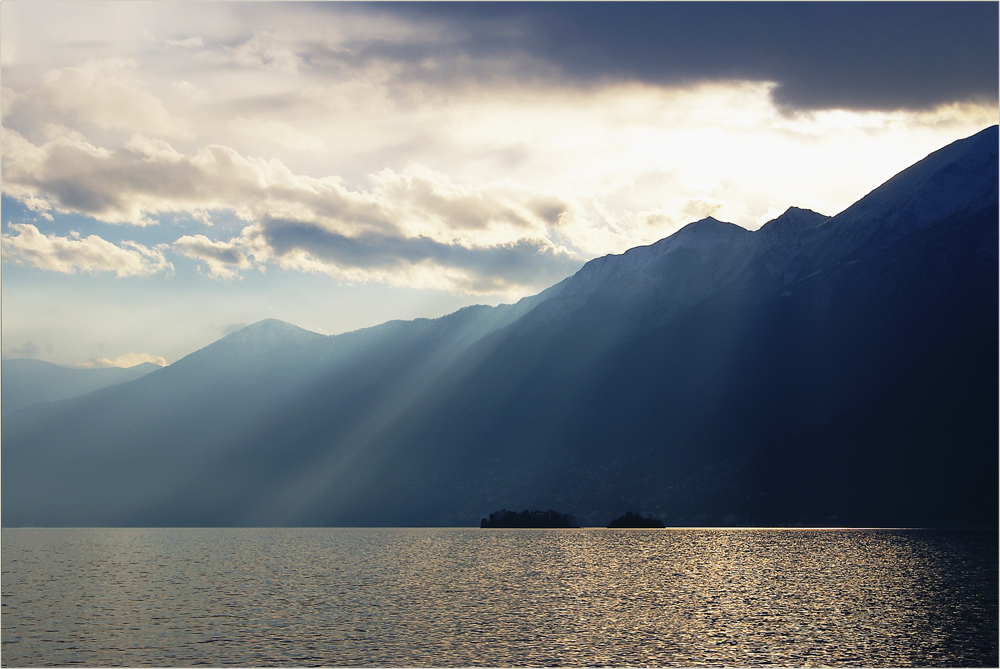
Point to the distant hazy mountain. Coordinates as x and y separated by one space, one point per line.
26 381
821 370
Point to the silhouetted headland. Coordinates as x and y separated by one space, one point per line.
550 518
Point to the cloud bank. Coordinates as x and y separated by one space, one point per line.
469 147
88 254
413 228
859 56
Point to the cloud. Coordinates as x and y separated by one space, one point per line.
222 258
265 50
90 254
447 144
27 350
403 228
102 93
419 262
189 43
280 133
859 56
7 97
8 53
144 177
147 177
131 360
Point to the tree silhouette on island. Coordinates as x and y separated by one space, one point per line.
507 519
634 519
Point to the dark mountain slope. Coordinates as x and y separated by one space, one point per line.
819 371
202 442
678 417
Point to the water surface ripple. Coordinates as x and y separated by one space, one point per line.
470 597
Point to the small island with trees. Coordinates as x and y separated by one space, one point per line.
507 519
633 519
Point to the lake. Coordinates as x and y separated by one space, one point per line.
471 597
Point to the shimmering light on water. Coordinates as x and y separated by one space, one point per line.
447 597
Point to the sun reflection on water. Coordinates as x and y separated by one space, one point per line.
457 597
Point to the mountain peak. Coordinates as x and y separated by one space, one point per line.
266 337
709 225
693 376
706 233
706 237
795 218
798 213
270 328
270 324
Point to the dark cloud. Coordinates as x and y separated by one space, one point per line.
524 262
868 55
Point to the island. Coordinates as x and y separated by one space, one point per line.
632 519
507 519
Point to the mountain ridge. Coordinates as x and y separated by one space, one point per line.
26 381
719 373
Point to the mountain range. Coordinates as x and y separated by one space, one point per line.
25 381
830 371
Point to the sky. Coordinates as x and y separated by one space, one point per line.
172 171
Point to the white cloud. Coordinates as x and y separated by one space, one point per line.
190 92
373 151
266 50
278 132
222 258
145 177
148 176
367 144
202 217
189 43
8 53
89 254
7 97
102 93
416 225
130 360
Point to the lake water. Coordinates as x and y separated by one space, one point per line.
465 597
